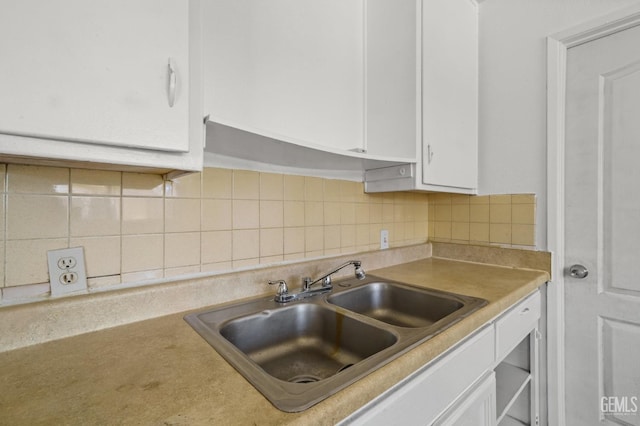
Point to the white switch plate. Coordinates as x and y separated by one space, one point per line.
384 239
67 273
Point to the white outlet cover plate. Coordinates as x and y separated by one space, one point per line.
57 287
384 239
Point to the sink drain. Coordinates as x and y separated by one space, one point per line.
310 378
304 378
344 367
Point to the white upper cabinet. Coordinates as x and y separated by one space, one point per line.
337 76
109 81
447 142
287 69
450 96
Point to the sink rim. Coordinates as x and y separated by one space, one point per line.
295 397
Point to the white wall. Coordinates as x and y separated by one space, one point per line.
512 122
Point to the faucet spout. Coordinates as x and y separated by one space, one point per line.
326 279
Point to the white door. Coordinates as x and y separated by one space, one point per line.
602 231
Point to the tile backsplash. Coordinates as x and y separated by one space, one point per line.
502 220
137 227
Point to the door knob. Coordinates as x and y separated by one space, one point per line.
578 271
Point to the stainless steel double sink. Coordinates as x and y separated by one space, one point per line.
299 353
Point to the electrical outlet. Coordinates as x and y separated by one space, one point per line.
67 273
67 262
69 278
384 239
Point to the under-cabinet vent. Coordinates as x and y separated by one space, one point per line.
394 178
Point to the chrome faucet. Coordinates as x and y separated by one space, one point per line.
283 295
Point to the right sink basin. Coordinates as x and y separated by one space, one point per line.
397 304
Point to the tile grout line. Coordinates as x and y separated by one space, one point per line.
69 200
201 173
121 224
164 226
5 199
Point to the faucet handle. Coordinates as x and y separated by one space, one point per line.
306 283
326 282
282 286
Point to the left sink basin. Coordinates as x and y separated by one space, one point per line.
295 354
305 343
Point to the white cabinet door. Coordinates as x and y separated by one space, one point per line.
291 70
476 408
450 95
96 71
392 93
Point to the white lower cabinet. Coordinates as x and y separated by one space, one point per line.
423 396
490 378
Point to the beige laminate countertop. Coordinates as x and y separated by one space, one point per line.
161 372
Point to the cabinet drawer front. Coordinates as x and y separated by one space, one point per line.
512 327
424 395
